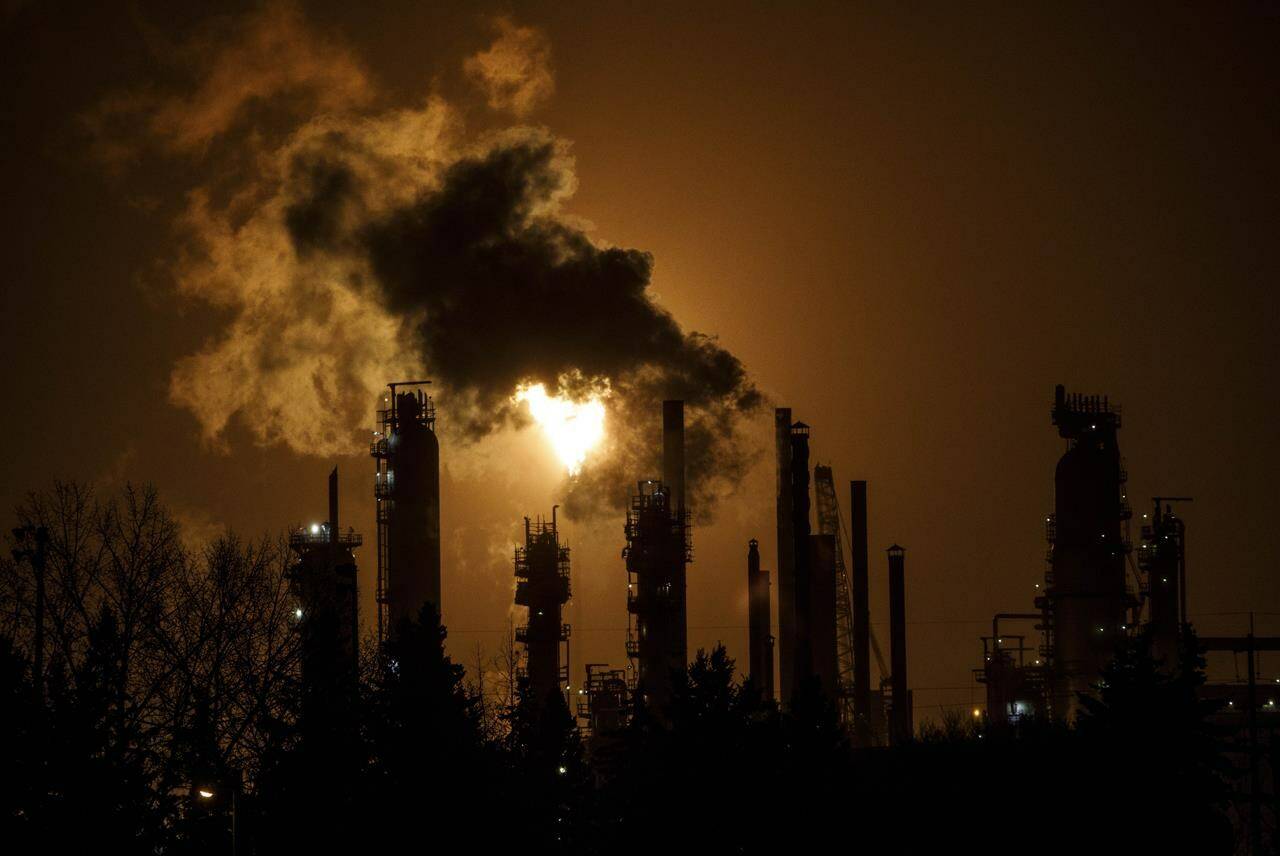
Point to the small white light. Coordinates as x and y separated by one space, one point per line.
563 770
205 794
297 613
315 528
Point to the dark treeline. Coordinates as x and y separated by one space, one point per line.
170 709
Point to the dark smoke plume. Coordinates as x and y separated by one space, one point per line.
502 292
354 240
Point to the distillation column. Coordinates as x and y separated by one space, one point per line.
1086 595
323 583
542 585
407 490
657 553
1161 557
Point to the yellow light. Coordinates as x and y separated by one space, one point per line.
977 713
205 794
573 427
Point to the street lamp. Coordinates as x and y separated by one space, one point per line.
207 792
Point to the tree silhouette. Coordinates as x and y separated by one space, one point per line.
547 767
1153 719
429 760
90 772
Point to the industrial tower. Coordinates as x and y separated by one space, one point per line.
1162 558
1085 605
323 583
657 552
542 585
801 653
1086 597
407 494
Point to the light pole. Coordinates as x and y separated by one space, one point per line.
207 792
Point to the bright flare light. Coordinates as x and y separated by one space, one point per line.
573 427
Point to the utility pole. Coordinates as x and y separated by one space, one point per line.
1250 645
1255 802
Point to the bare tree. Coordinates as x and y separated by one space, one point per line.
210 627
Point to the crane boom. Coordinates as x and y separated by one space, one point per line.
831 523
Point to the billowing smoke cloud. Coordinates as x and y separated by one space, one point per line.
310 341
372 243
505 292
269 56
515 72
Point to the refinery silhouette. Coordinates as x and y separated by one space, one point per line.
1103 669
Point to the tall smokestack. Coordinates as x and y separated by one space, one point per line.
759 633
786 553
862 733
333 506
673 478
801 654
673 451
900 728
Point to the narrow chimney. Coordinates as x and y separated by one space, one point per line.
801 653
673 452
333 506
901 724
786 554
760 638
